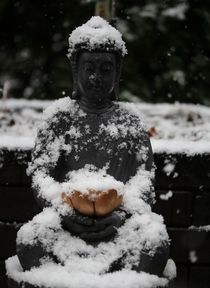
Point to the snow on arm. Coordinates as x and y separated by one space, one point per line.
141 185
44 157
46 153
138 193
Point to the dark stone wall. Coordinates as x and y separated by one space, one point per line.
189 206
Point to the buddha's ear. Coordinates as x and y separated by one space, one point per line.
75 93
115 93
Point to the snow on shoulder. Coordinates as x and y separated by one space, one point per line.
62 105
97 33
134 110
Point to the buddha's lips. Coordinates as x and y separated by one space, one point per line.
96 88
97 85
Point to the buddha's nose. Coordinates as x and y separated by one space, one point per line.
95 79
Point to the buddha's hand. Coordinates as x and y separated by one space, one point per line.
93 203
94 229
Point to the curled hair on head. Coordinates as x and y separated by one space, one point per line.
74 64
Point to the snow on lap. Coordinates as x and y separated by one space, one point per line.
139 232
60 277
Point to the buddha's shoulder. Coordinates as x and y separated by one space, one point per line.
63 108
131 112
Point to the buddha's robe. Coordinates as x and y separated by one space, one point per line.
114 139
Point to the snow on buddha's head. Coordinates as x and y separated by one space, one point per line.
96 34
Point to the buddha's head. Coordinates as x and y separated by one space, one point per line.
96 50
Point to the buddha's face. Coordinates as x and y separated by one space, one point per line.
96 75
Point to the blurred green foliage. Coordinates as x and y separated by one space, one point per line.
168 48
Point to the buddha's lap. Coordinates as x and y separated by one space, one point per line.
32 252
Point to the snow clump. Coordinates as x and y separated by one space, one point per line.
97 33
62 278
87 179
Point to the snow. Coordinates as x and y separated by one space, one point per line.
166 196
179 76
141 231
193 256
153 10
136 192
19 104
180 128
64 105
13 224
11 142
88 178
181 146
62 278
146 11
169 167
178 11
18 121
170 270
205 228
149 11
96 33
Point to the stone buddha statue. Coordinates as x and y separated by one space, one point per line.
92 172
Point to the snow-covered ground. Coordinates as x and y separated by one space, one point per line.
175 128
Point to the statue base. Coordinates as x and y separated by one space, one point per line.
15 284
54 275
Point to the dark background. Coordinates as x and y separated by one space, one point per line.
169 52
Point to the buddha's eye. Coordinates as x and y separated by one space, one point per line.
106 68
88 67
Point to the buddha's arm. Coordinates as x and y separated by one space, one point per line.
144 152
44 158
150 166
